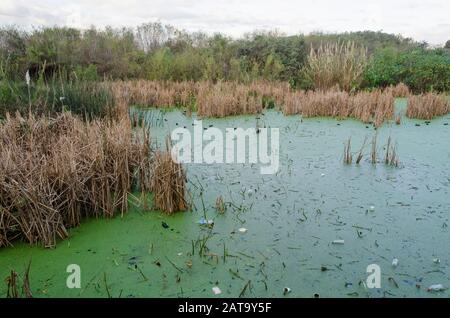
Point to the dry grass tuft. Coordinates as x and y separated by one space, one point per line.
54 172
399 90
155 93
227 98
375 106
427 106
168 184
230 98
340 64
220 205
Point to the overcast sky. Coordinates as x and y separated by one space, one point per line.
423 20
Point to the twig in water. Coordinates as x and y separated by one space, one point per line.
245 288
106 285
173 264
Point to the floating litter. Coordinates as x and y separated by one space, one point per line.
216 290
436 287
395 262
203 221
372 208
286 290
436 260
242 230
338 242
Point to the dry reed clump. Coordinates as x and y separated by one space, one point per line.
168 183
348 158
231 98
325 103
220 205
340 63
211 99
293 102
399 90
391 157
155 93
12 281
227 98
53 172
427 106
376 106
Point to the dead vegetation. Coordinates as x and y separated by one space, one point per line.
12 282
348 152
220 205
338 64
369 107
427 106
168 183
373 152
390 158
230 98
155 93
54 172
399 90
361 151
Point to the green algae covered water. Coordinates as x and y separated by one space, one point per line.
291 219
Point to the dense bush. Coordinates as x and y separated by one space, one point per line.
421 69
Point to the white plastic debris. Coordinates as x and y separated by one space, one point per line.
286 290
395 262
322 175
180 254
249 192
436 260
339 242
436 287
372 208
242 230
203 221
216 290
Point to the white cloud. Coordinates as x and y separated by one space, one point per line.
413 18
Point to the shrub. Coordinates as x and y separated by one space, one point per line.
421 70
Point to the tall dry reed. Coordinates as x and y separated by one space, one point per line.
54 172
399 90
231 98
340 63
375 107
427 106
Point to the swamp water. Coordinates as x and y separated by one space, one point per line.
291 219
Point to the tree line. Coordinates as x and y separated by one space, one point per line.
156 51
